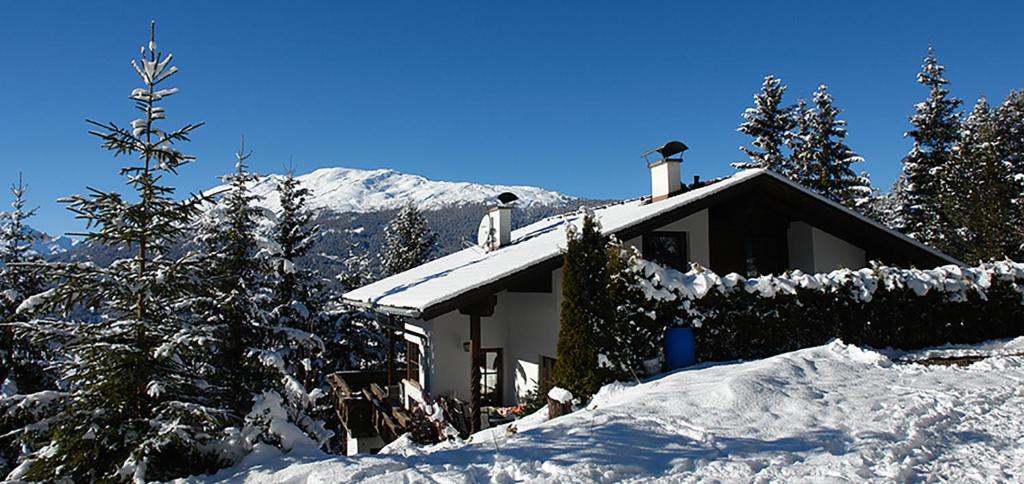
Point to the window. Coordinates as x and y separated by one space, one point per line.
666 248
490 377
412 361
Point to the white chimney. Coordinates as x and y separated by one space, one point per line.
496 227
665 177
501 221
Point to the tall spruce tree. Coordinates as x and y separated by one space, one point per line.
586 307
823 162
131 409
1009 126
408 241
936 129
769 123
978 192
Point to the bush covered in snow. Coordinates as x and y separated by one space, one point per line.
736 317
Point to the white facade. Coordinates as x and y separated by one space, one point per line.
525 324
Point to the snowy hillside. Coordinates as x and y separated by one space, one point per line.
829 413
354 190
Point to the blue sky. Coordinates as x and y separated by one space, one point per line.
555 94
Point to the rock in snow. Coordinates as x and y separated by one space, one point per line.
830 413
354 190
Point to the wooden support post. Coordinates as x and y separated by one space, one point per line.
391 350
481 309
474 373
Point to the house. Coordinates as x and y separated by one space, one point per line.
497 304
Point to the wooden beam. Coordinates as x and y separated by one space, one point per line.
474 373
391 350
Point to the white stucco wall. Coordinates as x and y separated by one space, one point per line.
698 245
800 243
814 250
831 252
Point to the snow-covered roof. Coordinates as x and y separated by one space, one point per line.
413 292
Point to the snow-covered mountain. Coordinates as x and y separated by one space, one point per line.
48 245
363 191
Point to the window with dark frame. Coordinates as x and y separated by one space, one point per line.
666 248
412 361
490 376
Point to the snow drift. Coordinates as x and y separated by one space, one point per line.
829 413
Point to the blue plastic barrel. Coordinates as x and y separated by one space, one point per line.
680 348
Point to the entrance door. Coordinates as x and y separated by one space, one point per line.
491 381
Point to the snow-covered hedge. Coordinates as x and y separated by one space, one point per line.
879 306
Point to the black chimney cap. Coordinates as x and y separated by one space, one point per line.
669 149
507 198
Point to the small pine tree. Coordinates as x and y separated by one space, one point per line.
634 334
936 129
408 241
17 282
586 308
769 123
131 409
299 302
22 366
822 159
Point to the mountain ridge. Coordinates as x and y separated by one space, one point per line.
355 190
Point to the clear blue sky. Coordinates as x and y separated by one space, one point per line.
559 95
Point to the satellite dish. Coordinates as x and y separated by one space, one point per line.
507 198
485 234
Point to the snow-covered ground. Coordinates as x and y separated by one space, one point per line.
830 413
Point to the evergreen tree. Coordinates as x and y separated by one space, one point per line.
22 366
1009 126
633 334
936 129
131 409
586 308
769 123
237 292
978 194
304 322
823 160
360 341
17 282
260 343
408 241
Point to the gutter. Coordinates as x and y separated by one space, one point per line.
393 310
